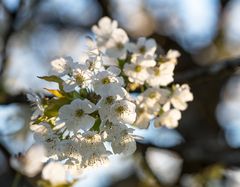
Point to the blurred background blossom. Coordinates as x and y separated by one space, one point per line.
203 151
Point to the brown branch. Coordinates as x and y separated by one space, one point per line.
228 66
105 9
197 154
8 99
12 16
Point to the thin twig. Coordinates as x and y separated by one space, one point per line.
229 65
16 180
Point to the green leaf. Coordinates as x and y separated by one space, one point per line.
55 79
52 78
83 93
56 93
40 119
76 95
96 126
54 104
46 183
121 63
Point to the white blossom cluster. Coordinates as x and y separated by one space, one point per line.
144 70
93 106
90 108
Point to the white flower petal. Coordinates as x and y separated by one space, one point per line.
125 144
69 85
169 119
86 122
61 66
114 70
30 163
55 173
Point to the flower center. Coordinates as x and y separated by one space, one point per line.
79 79
79 113
119 45
142 49
152 95
92 139
156 71
109 100
138 68
91 64
106 80
163 59
120 110
140 111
